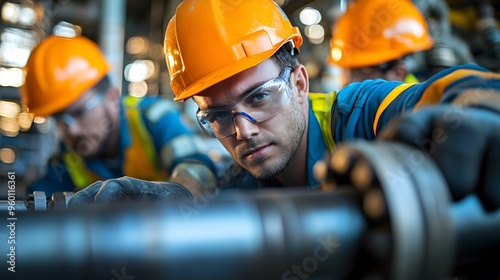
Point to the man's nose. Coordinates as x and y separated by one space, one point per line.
245 126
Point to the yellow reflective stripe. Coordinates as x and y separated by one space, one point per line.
77 170
387 101
140 157
143 134
435 90
321 104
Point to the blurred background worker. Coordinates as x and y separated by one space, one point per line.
105 136
374 38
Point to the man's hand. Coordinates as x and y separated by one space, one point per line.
464 142
196 177
129 189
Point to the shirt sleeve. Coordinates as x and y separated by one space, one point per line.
364 109
56 179
174 140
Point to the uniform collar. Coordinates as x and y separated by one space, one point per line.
316 149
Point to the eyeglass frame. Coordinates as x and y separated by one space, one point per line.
283 78
71 119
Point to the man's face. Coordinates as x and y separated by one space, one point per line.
264 148
368 73
86 124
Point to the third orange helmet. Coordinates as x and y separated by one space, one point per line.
372 32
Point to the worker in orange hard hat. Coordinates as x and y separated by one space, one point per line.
105 136
238 61
373 37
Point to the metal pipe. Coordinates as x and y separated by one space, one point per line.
274 235
390 216
112 37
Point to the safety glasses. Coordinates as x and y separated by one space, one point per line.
73 118
258 105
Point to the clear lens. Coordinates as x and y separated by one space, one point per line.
71 119
259 105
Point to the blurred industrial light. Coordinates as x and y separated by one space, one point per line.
343 5
25 120
13 56
39 120
27 16
14 35
137 45
336 54
136 72
10 12
312 68
140 70
19 37
9 109
11 77
9 126
309 16
66 29
315 33
18 14
151 68
138 89
16 46
7 155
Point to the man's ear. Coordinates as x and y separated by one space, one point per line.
301 81
112 99
112 94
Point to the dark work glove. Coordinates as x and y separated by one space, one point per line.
129 189
464 142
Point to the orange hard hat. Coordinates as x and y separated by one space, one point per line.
372 32
59 70
208 41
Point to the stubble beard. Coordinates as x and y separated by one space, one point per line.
99 138
296 124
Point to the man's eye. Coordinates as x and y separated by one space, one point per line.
78 113
219 116
259 98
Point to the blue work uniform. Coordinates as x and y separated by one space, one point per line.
361 110
153 140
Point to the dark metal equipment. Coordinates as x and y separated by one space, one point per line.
38 201
385 213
